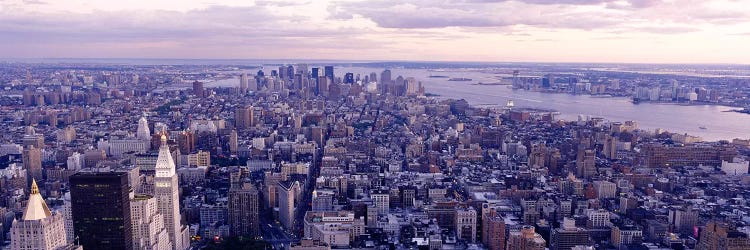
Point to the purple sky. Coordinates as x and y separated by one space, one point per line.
641 31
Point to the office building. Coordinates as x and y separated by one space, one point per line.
243 117
243 210
525 239
100 207
39 228
167 194
568 236
32 162
717 236
148 224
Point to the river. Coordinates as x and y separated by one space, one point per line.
671 117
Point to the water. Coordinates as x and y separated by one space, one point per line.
671 117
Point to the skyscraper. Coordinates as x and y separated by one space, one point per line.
329 73
39 228
586 163
198 89
167 194
143 132
100 204
243 84
349 78
148 224
287 192
32 162
243 117
243 210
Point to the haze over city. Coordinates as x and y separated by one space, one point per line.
635 31
375 125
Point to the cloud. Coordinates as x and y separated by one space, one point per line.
474 14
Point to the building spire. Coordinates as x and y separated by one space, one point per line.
34 187
36 208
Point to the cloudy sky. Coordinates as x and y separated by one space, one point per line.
638 31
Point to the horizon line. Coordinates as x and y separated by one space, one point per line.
19 59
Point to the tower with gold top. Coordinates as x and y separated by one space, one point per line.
166 191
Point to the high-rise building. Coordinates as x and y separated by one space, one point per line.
166 191
525 239
466 224
717 236
243 117
198 89
328 70
233 141
143 132
683 219
349 78
568 236
186 141
32 162
243 210
493 231
100 207
586 163
287 192
148 224
243 84
39 228
385 77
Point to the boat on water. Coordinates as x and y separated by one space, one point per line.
702 127
510 104
460 79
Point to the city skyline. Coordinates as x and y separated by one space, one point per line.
635 31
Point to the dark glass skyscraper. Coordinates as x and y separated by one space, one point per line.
100 205
349 78
329 72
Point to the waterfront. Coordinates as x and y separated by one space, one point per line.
671 117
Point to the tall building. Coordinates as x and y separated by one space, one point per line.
100 207
198 89
466 224
525 239
683 219
39 228
586 163
328 73
233 141
243 117
143 132
32 162
717 236
568 236
494 232
243 210
385 77
243 84
148 224
349 78
166 191
287 192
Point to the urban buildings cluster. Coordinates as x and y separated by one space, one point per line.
303 157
